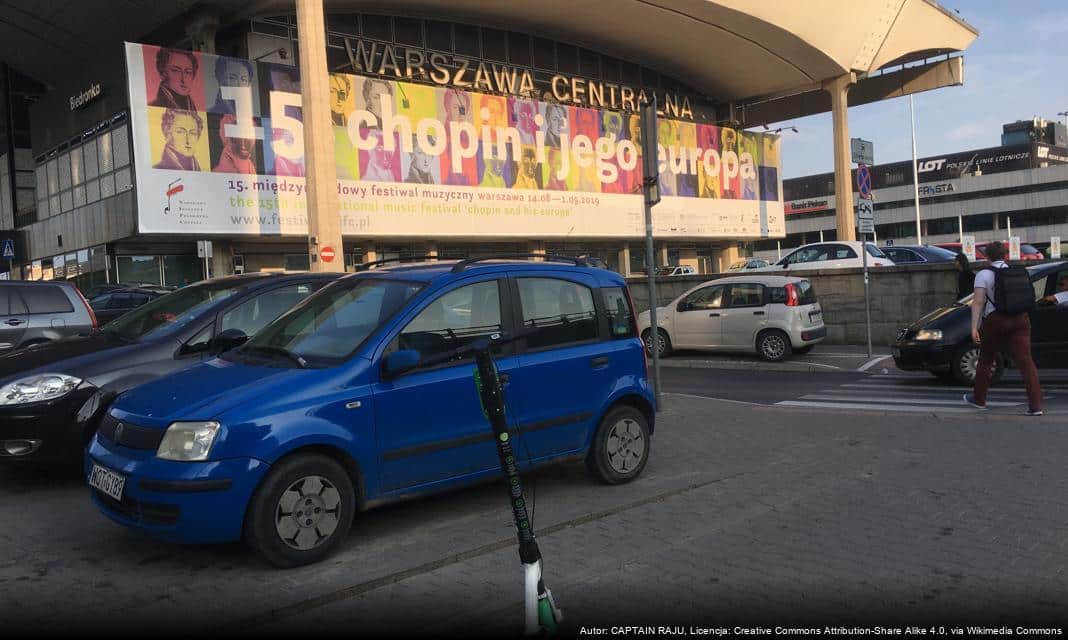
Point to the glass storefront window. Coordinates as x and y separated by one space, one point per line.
179 271
138 269
64 171
92 166
53 177
107 162
297 262
77 175
121 146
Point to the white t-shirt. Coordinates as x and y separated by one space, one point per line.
985 280
1061 298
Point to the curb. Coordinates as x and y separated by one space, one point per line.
795 367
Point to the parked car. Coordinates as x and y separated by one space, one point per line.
98 290
748 263
941 342
117 302
34 313
773 316
321 414
831 255
676 270
918 254
52 396
1027 252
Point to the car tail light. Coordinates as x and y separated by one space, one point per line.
92 314
792 297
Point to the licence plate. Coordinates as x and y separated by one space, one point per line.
108 481
815 316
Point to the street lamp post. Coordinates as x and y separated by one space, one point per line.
915 173
1065 114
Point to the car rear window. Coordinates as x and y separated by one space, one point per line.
874 251
620 315
46 299
806 292
1029 250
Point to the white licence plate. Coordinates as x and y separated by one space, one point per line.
107 481
815 317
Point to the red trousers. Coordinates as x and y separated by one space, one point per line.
1000 332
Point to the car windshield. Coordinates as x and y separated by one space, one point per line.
171 311
1028 250
329 326
874 251
939 252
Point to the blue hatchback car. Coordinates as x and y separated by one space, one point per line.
281 441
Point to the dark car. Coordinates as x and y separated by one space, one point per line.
118 302
37 312
1027 252
918 254
53 395
941 342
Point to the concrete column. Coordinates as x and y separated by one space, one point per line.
843 187
370 254
662 255
432 249
536 246
729 255
324 222
624 260
201 29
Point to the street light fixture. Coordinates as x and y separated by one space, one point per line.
1065 114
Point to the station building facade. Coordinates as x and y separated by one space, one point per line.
115 183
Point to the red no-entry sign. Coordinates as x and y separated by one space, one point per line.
327 254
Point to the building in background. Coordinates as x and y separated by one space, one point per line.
1024 183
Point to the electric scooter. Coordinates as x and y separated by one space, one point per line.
541 615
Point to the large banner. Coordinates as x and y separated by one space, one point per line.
219 149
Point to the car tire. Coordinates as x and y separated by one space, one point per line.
305 481
773 346
965 361
803 350
620 447
664 343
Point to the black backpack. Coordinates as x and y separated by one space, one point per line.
1013 293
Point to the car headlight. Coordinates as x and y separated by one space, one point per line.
38 388
188 441
929 334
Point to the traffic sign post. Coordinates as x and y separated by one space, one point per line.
204 250
327 254
864 181
863 151
1055 247
9 253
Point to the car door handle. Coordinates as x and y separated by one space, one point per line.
758 313
14 322
599 362
713 315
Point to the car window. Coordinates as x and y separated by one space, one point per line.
332 324
454 320
1028 250
5 306
872 250
620 315
706 298
747 294
842 252
253 314
561 311
942 253
172 311
102 302
120 301
200 342
811 254
901 256
46 299
806 293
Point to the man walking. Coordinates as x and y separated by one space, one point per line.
999 297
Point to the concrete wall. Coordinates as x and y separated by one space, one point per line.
899 295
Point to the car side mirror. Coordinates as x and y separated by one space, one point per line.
228 340
398 362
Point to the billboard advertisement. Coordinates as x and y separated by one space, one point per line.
219 149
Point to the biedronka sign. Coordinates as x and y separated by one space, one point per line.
219 149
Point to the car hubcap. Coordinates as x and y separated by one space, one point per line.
308 513
774 346
661 343
625 446
969 364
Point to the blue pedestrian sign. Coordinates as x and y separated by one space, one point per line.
9 249
864 181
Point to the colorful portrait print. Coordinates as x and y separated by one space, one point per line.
173 78
234 74
179 140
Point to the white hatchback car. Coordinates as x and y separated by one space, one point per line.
831 255
773 316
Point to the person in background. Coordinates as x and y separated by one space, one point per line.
1061 297
999 330
965 276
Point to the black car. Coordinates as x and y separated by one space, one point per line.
52 396
118 302
918 254
941 341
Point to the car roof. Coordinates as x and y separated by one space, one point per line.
142 290
760 278
443 270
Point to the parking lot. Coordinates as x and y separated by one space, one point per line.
745 512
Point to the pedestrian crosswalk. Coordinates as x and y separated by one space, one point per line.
908 393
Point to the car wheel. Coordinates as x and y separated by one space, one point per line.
965 362
620 447
663 343
301 512
805 349
774 346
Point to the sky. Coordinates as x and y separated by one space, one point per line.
1016 69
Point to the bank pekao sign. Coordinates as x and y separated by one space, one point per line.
219 148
